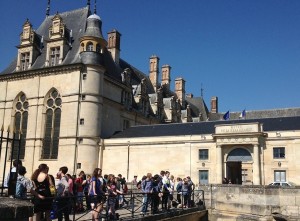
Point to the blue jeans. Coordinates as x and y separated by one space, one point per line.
146 200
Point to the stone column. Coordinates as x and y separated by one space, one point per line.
256 162
219 165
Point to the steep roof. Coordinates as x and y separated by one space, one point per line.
208 127
74 20
258 114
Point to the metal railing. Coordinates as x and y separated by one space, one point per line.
130 207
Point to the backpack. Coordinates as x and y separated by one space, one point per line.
20 189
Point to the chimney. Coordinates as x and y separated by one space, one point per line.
214 105
166 75
180 90
114 38
153 75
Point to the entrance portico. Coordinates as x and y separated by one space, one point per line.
237 139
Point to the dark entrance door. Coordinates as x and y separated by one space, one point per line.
234 172
236 161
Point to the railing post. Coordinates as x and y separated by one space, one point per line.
132 204
1 138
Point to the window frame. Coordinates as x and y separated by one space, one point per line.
278 153
203 156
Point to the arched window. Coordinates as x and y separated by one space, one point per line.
52 126
98 48
82 47
20 124
89 46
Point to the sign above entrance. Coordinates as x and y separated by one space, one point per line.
237 128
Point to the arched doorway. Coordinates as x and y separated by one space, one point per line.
237 165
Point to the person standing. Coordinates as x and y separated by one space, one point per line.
63 195
147 188
166 189
79 185
11 178
24 185
43 201
96 194
178 189
86 191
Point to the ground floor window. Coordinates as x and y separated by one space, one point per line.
279 175
203 176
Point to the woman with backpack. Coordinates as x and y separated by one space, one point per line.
96 194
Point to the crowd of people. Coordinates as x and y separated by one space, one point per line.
56 197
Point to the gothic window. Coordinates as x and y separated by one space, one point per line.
21 119
24 61
89 46
54 56
52 126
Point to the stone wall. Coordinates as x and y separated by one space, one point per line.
262 203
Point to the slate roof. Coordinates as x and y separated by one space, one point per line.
258 114
208 127
76 21
197 106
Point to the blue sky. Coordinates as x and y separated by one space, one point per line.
245 52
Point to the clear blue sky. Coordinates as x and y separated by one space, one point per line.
245 52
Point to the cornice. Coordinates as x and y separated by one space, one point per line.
46 71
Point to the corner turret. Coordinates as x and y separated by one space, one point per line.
92 43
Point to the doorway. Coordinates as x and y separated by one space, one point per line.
239 166
234 172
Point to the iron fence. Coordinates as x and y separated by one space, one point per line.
128 208
10 144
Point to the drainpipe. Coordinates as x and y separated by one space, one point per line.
36 121
190 157
77 123
5 101
128 147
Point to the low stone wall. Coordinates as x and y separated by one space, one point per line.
14 209
261 203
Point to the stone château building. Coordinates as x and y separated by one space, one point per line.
71 95
69 88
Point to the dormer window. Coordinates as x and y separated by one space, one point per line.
24 62
54 56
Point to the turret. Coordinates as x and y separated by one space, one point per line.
92 43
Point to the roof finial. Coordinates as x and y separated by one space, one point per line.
48 9
88 3
95 7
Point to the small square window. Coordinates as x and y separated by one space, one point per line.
83 97
81 121
278 152
80 140
84 76
203 154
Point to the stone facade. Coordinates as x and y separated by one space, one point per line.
244 152
76 90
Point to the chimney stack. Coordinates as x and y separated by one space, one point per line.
153 75
114 39
214 105
166 75
180 90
